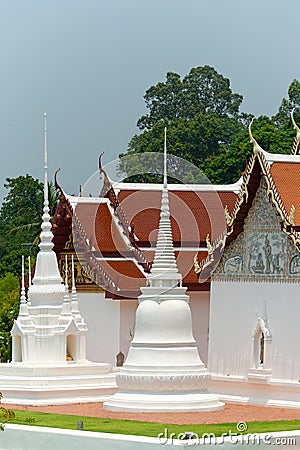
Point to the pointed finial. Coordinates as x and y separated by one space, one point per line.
29 272
164 256
23 296
46 235
73 276
165 158
256 147
295 126
66 272
45 162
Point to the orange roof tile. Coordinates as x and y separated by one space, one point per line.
125 274
286 176
100 228
192 214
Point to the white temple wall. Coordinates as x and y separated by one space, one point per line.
199 304
102 317
111 324
235 308
127 324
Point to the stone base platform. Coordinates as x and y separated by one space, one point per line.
56 384
163 402
260 391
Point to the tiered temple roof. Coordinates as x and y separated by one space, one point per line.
119 230
281 174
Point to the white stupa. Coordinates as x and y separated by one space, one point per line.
49 364
163 370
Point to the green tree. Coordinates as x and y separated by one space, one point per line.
206 127
20 220
20 206
282 118
202 116
194 140
9 307
203 90
207 91
228 165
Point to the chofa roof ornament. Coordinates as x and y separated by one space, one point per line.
295 126
256 146
107 184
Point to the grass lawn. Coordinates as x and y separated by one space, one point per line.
24 417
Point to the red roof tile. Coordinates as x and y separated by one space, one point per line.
192 214
100 228
125 274
286 176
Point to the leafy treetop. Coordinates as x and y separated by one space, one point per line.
203 90
205 125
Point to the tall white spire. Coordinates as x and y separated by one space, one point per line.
23 305
46 202
46 235
29 272
164 264
46 271
165 159
163 370
66 274
29 282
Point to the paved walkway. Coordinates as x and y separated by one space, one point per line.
231 413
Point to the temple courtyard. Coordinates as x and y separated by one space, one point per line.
231 413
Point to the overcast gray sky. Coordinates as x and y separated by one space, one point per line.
88 64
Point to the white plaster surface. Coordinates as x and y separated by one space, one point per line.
234 311
127 324
102 317
54 385
115 319
199 304
235 308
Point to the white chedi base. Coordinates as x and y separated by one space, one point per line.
164 402
23 384
163 370
163 392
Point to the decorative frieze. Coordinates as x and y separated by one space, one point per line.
262 251
155 383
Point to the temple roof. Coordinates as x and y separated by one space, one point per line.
286 176
192 214
282 177
120 229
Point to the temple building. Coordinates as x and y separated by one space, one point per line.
113 238
254 300
237 249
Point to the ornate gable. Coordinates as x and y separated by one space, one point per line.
262 251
